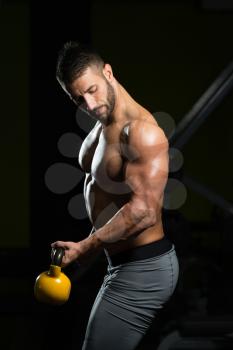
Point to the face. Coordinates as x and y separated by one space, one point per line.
94 92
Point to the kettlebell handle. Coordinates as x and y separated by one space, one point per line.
57 255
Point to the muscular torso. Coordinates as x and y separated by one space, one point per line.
105 191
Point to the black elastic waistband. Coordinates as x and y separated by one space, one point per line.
146 251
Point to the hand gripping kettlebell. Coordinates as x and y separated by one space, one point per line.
53 286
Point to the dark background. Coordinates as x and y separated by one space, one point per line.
166 54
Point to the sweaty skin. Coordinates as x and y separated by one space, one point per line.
125 158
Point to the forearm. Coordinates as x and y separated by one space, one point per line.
128 221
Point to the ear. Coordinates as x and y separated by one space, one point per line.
107 72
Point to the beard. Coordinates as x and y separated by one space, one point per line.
108 105
111 97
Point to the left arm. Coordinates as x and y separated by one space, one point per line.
146 174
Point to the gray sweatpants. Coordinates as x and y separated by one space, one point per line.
129 299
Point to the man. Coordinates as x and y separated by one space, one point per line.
125 158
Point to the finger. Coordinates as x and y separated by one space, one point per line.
63 264
65 261
59 244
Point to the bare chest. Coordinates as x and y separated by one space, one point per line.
102 159
106 164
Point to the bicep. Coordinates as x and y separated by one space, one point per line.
147 171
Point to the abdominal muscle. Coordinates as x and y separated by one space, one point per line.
102 206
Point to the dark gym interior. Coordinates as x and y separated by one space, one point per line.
176 59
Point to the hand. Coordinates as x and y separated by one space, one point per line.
71 253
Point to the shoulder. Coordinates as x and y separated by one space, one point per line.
145 133
88 146
97 127
93 134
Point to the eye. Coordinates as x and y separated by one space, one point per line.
92 90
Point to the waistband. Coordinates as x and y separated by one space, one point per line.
146 251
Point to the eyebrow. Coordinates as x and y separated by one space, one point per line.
90 87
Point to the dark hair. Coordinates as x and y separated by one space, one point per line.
73 59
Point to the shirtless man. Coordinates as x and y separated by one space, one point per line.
125 158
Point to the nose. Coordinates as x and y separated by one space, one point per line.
90 102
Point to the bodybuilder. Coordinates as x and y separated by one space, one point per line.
125 158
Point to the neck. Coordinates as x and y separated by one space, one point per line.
125 106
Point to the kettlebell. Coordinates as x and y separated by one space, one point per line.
53 286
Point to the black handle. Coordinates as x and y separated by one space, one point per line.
57 255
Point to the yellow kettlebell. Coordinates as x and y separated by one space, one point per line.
53 286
